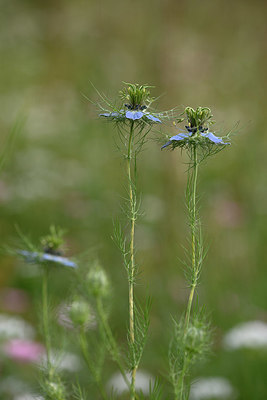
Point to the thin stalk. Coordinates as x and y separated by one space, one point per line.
195 269
111 340
46 317
132 262
90 365
193 236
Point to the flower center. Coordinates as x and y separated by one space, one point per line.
135 107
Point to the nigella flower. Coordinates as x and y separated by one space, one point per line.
133 114
51 250
197 130
35 257
139 100
190 137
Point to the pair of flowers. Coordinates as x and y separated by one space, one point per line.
194 130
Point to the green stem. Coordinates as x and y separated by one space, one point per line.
111 340
132 263
193 236
193 218
89 363
46 317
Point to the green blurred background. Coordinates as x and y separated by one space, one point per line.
64 168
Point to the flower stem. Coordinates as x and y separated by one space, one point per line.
192 190
132 262
111 340
193 236
90 365
45 316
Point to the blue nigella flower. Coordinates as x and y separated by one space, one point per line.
133 113
35 257
183 136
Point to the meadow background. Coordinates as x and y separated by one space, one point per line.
63 167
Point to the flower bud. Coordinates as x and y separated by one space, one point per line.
54 389
194 338
197 338
97 281
80 313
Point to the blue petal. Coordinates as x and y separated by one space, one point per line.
213 138
134 115
58 259
176 138
113 114
29 255
166 144
32 257
155 119
181 136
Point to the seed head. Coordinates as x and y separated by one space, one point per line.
97 281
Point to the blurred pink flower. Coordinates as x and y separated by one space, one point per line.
227 211
23 350
14 300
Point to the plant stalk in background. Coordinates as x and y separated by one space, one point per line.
45 314
47 257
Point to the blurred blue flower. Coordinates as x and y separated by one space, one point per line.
35 257
182 136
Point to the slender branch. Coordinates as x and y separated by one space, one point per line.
193 235
132 262
45 316
111 340
192 180
90 365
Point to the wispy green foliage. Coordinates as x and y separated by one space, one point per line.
155 391
52 386
142 321
79 393
189 344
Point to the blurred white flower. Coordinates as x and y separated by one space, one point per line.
142 382
28 396
251 334
15 328
64 361
12 386
211 388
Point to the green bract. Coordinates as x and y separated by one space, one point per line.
137 94
80 313
51 243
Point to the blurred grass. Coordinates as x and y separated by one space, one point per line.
64 167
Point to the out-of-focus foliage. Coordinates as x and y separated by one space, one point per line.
63 167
